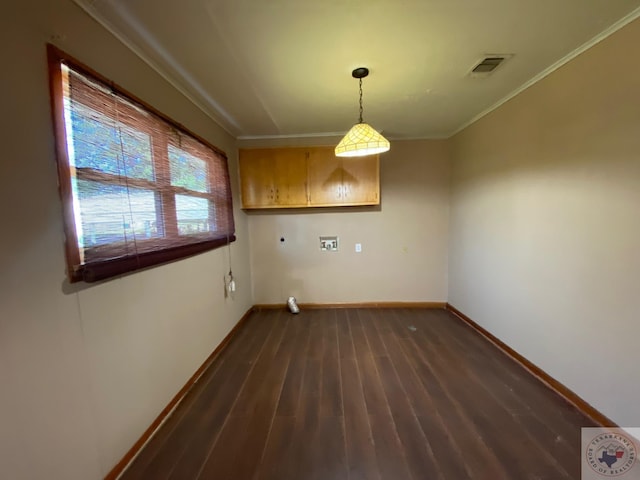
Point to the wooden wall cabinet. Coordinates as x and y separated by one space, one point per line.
307 177
273 178
340 181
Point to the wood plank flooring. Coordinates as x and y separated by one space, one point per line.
384 394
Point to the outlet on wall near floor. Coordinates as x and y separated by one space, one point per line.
358 247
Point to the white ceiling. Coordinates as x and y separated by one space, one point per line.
268 68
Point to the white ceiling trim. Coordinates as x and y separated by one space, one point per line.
87 6
295 135
332 134
567 58
426 137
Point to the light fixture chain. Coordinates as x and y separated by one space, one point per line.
360 101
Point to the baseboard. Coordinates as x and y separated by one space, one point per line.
310 306
133 451
550 382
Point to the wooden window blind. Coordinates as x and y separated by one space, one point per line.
137 188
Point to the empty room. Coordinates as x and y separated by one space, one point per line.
250 240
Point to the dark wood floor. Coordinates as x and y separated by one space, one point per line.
387 394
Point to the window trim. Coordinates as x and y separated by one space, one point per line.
103 269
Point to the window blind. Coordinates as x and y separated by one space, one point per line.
137 188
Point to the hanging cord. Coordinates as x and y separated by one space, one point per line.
229 254
360 100
231 286
118 128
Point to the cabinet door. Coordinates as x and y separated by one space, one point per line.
273 177
257 177
290 175
324 177
361 180
335 181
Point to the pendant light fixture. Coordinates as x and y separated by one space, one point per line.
362 139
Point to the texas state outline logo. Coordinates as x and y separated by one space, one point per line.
609 452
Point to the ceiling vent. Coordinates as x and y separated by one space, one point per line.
488 65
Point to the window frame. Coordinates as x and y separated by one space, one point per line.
92 271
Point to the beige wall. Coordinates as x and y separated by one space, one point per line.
544 249
85 370
545 224
404 242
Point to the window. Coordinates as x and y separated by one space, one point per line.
137 188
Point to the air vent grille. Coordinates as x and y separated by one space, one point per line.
488 65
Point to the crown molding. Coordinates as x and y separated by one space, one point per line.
294 135
332 134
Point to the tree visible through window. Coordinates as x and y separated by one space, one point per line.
137 188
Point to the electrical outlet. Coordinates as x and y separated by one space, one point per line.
358 247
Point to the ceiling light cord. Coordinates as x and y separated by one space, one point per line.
360 101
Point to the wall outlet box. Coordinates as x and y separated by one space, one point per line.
329 244
358 247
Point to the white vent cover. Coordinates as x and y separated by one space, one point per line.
488 64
